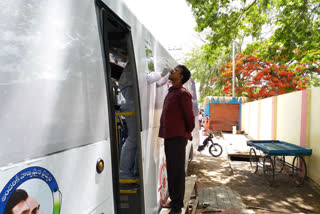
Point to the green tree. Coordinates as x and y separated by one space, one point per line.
293 24
205 72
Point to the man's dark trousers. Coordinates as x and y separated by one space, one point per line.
175 150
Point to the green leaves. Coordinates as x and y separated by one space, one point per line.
204 72
294 24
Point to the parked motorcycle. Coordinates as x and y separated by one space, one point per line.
214 148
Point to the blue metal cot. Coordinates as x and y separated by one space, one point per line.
273 159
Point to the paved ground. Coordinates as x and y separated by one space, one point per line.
219 199
230 187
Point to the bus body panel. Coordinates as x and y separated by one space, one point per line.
52 86
82 189
53 111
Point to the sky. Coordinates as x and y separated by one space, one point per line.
170 21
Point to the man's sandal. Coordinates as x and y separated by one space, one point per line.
167 205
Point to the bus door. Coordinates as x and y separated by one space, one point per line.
123 109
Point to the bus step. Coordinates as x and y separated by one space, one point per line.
129 187
136 181
130 201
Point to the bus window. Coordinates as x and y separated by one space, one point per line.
149 56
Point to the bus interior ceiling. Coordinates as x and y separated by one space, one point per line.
118 54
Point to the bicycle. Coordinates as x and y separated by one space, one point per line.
215 149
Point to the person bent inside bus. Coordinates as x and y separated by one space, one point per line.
128 155
128 163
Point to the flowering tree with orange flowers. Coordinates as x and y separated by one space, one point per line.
256 77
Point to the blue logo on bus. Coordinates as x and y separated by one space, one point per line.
28 189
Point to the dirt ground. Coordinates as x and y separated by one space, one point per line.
256 194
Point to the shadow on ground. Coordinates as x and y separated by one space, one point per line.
256 194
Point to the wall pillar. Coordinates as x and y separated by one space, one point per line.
241 116
259 118
274 118
305 119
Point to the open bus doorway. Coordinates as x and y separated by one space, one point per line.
123 110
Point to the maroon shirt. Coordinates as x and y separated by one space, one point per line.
177 118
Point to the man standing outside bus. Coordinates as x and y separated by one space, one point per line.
176 124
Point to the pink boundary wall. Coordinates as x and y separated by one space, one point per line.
303 128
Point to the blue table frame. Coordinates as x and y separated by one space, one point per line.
278 150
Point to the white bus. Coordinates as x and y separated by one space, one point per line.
60 123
